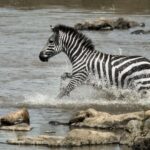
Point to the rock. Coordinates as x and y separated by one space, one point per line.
76 120
39 140
13 118
141 144
104 120
107 24
126 138
78 137
132 129
134 126
147 114
147 134
126 126
91 112
141 32
56 123
18 127
80 116
147 124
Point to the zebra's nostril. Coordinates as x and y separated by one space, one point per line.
51 42
42 57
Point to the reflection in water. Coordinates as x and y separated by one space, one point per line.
127 6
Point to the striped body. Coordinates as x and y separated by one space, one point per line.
121 71
112 70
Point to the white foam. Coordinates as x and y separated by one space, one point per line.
88 96
36 99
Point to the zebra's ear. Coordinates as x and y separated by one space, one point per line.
51 27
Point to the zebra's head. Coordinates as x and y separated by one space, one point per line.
66 39
52 47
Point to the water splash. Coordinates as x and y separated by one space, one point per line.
111 99
36 99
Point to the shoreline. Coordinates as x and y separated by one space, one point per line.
108 107
92 127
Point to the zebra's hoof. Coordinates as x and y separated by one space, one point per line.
63 93
59 96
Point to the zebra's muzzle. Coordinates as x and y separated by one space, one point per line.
43 57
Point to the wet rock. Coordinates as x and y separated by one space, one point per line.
134 126
13 118
141 144
18 127
126 138
93 127
38 140
104 120
126 126
91 112
147 124
55 123
16 121
147 134
107 24
78 137
80 116
141 32
133 129
147 114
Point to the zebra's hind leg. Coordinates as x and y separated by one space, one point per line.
66 75
95 85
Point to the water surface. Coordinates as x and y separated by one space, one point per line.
25 81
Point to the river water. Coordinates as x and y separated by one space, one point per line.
25 81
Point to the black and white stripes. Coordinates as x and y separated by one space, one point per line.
112 70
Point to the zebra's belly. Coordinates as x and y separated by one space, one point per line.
136 81
95 80
122 72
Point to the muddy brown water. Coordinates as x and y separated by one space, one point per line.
25 81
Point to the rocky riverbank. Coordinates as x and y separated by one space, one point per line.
91 127
107 24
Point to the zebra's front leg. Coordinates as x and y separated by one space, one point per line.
75 81
66 75
63 92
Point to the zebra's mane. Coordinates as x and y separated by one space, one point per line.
86 42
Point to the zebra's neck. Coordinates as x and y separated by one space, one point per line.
77 48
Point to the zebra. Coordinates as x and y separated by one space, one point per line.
121 71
